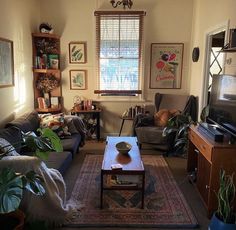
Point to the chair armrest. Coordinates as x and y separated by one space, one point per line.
20 163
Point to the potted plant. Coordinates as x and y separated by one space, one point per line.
224 218
13 184
176 133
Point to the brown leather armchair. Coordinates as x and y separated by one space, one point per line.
144 127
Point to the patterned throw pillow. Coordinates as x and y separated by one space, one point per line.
56 122
7 148
163 115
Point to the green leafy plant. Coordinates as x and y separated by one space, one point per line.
12 185
226 196
176 133
40 146
43 144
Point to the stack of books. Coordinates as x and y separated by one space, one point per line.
123 180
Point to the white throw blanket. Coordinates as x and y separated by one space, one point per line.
52 206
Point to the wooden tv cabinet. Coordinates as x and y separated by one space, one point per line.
206 157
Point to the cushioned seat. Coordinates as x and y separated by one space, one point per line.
151 134
71 143
60 161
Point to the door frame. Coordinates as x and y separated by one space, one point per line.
208 41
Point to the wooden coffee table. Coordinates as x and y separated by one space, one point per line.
131 165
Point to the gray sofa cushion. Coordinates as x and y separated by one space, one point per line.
27 122
59 161
71 143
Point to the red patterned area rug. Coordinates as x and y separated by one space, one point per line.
165 205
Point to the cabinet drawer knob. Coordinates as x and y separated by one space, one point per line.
196 151
207 187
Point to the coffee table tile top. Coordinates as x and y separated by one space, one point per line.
130 162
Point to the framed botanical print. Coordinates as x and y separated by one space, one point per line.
166 65
78 79
6 63
77 52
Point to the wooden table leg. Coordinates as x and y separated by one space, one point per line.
101 192
143 189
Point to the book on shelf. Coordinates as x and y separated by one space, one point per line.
41 103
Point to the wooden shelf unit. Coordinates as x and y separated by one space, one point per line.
46 50
207 157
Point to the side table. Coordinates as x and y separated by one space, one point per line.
94 114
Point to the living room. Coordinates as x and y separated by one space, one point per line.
165 22
184 21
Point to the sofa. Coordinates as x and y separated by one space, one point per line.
145 127
30 122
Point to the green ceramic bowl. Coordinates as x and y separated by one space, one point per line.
123 147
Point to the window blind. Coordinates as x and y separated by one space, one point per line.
119 50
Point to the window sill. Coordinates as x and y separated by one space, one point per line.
119 99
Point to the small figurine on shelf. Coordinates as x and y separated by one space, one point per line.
45 28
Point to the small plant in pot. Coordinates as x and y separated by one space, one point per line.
225 218
13 183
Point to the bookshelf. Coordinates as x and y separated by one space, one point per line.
46 72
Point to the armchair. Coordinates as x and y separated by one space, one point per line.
144 125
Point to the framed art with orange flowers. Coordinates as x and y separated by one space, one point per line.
166 65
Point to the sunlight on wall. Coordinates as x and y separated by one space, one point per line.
19 89
20 73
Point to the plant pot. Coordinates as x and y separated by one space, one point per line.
217 224
12 220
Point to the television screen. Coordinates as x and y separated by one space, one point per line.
222 104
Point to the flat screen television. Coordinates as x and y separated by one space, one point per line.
222 103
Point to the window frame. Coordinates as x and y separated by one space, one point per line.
122 93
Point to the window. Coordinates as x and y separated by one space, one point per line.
119 51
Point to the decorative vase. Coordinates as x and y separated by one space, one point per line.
46 96
217 224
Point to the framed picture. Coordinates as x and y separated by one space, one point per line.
54 102
77 52
78 79
166 65
6 63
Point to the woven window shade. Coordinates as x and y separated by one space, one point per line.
119 51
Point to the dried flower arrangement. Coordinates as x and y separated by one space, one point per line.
47 83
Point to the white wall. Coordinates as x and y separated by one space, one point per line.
73 20
17 21
209 15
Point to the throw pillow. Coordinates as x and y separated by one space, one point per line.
7 148
174 112
56 122
161 117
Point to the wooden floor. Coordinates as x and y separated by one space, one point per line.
176 164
